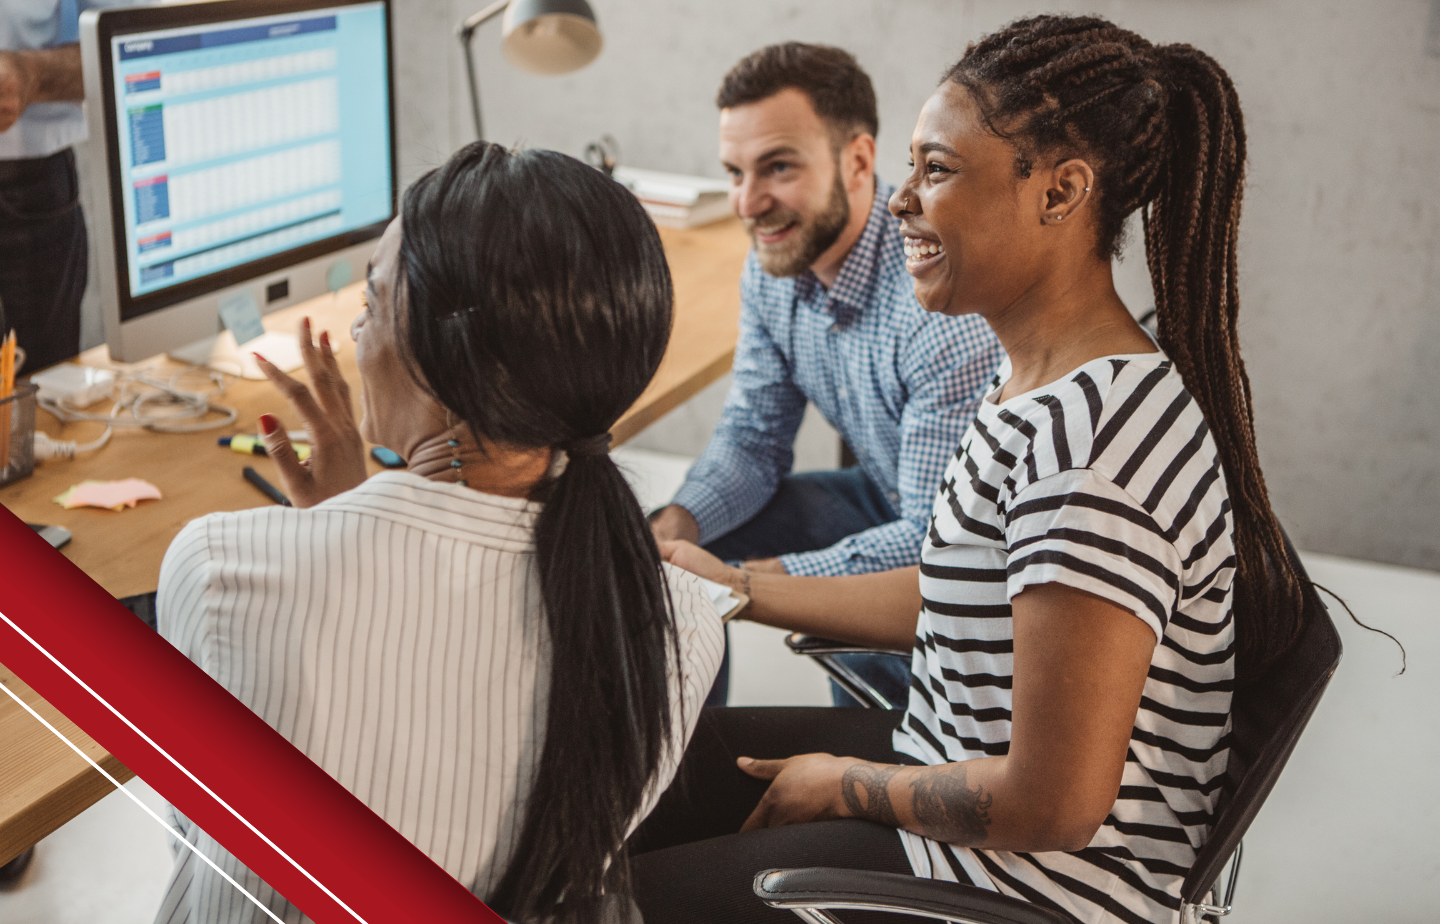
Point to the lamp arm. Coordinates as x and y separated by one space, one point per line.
475 20
465 31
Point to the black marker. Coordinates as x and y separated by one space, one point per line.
266 487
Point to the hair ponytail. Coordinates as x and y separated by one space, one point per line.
539 306
1163 131
598 558
1191 236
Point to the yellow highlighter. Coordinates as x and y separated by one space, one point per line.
252 445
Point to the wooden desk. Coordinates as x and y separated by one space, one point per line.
43 784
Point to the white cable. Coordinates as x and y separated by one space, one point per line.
47 447
149 403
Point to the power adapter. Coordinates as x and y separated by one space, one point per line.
73 385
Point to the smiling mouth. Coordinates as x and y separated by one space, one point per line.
774 235
920 252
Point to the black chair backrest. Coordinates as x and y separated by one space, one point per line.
1267 716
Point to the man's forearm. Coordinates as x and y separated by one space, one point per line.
48 75
52 75
896 544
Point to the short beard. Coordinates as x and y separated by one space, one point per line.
809 240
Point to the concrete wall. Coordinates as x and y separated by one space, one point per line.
1340 254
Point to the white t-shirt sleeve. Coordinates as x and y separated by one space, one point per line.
1078 529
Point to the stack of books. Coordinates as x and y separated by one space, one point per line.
677 201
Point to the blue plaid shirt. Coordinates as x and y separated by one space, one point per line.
899 383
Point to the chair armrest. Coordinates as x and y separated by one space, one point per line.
861 890
813 645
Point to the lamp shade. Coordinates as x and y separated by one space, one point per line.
550 36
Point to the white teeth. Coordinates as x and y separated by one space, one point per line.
917 247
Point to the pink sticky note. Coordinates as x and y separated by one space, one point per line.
112 494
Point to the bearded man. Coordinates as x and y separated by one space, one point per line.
827 315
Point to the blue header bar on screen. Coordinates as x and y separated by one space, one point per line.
143 48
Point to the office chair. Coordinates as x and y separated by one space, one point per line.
1267 716
823 651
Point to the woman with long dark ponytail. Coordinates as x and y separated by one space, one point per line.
498 663
534 321
1103 562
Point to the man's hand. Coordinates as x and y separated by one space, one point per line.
805 788
765 566
674 523
15 87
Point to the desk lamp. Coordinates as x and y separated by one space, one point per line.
541 36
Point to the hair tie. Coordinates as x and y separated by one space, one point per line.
597 445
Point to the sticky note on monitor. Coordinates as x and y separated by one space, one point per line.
241 316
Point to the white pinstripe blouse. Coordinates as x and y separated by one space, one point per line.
394 634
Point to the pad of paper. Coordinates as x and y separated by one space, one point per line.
112 495
721 596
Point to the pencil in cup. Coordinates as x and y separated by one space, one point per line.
17 414
7 390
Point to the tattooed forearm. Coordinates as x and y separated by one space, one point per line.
875 782
948 808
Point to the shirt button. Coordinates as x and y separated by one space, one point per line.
894 497
844 393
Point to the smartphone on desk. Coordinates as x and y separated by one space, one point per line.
57 536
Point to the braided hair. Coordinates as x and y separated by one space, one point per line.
1160 125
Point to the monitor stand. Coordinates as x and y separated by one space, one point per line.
222 354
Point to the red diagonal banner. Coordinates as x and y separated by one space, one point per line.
204 751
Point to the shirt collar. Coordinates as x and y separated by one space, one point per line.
854 285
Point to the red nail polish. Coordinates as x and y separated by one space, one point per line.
325 338
259 357
268 424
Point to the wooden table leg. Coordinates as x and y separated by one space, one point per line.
43 783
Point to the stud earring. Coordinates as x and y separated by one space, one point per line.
1087 188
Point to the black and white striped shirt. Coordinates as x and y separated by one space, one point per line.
394 633
1106 481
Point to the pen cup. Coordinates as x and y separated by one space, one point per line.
17 432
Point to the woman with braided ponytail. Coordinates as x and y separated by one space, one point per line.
1102 560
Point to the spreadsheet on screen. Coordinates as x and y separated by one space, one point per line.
247 138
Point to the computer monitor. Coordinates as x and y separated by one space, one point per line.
246 148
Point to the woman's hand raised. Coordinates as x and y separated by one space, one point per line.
337 453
